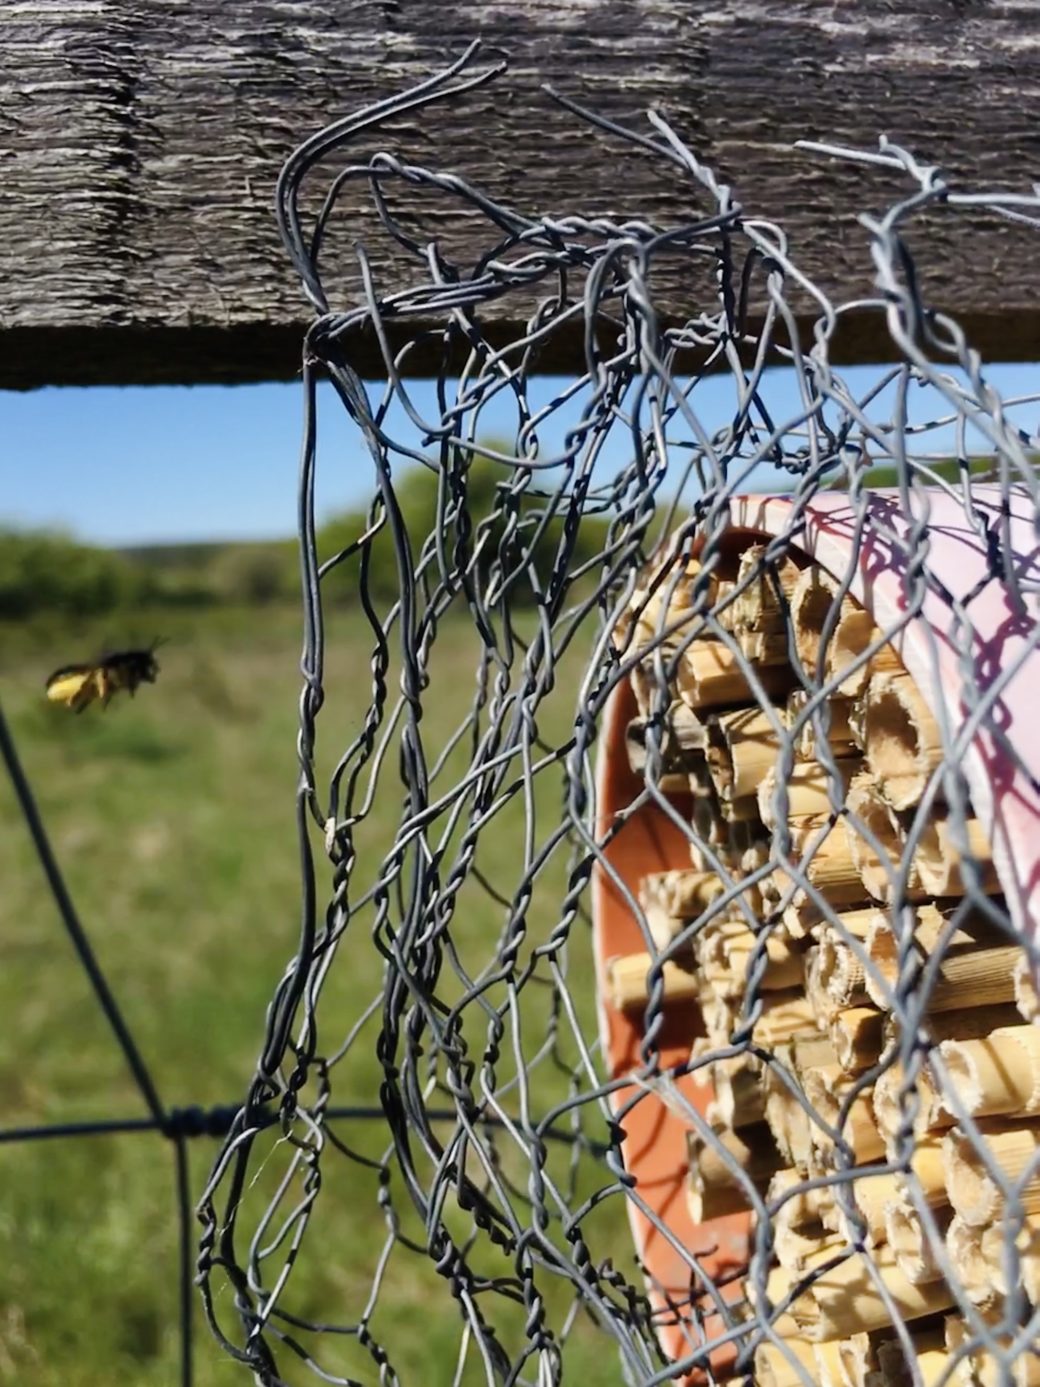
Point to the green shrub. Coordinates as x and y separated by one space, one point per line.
255 575
505 546
46 572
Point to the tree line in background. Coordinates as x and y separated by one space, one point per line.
50 573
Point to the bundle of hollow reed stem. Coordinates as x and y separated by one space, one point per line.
838 916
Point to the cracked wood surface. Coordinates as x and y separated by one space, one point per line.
140 141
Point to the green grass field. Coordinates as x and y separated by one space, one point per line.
172 817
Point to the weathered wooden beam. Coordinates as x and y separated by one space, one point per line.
140 141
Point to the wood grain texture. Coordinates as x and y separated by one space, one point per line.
140 141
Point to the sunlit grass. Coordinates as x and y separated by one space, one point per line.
172 817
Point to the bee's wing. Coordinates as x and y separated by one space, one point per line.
72 686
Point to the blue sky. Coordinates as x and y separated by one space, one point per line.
154 464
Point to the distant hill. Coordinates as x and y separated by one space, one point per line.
172 556
43 572
949 470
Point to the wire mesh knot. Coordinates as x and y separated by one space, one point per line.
199 1122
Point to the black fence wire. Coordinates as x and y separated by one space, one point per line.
704 1031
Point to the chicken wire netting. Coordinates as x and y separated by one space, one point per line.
670 903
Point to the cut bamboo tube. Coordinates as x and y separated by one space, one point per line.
839 734
931 932
664 597
786 1117
996 1075
956 1334
673 899
858 1360
798 1226
854 633
664 928
931 1361
857 1036
811 1051
720 1017
908 1238
800 915
974 1274
801 1208
723 607
831 1365
710 675
645 636
739 1097
778 1286
1026 998
930 1115
774 1368
971 1024
789 1123
836 979
877 873
1025 1369
807 919
751 740
871 1193
720 765
750 839
784 964
784 1015
992 1245
1013 1149
1029 1246
681 738
983 978
847 924
800 1252
664 589
827 1244
665 601
981 1368
727 982
824 859
626 979
647 686
708 945
811 790
766 648
713 1187
709 830
937 860
764 603
901 738
813 596
848 1301
965 979
736 805
826 1088
812 599
682 893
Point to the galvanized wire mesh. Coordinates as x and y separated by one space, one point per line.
500 1161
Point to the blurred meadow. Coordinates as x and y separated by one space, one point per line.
172 817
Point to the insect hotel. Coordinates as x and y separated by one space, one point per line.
811 948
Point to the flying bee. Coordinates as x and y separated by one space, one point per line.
79 685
